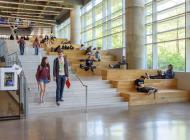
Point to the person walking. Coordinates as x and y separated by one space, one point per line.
21 43
43 77
60 73
36 46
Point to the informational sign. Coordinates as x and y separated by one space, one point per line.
8 79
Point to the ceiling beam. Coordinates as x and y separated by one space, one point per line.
8 25
24 26
25 15
62 2
13 23
46 20
44 8
34 5
52 1
33 20
28 13
28 9
41 26
31 25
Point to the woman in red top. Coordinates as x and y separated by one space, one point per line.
43 76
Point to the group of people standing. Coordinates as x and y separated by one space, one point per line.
36 45
60 74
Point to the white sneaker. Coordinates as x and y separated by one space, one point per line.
150 92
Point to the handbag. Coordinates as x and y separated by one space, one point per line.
68 83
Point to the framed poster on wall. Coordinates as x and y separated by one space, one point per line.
8 79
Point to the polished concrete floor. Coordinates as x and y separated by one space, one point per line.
151 122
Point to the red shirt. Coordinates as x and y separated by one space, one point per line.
43 73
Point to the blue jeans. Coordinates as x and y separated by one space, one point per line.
21 50
60 83
36 50
45 81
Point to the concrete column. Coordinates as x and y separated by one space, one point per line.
75 20
135 34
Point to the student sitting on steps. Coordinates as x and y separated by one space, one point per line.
168 74
158 76
89 64
140 87
119 64
97 56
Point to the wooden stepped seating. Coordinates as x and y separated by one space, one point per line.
97 64
113 74
70 53
106 60
74 57
158 83
104 63
80 56
163 96
123 80
82 72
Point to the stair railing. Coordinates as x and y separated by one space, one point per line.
86 90
24 90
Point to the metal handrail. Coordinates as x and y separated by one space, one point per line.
12 54
23 77
86 92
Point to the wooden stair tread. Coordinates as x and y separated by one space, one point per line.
160 91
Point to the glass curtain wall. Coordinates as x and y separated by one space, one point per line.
63 30
103 24
165 33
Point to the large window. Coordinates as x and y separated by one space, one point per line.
165 34
63 30
102 24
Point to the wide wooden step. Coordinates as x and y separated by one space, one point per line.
162 96
129 85
102 62
114 74
81 72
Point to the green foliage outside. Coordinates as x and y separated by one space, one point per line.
166 56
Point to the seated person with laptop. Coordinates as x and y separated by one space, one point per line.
140 87
89 64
